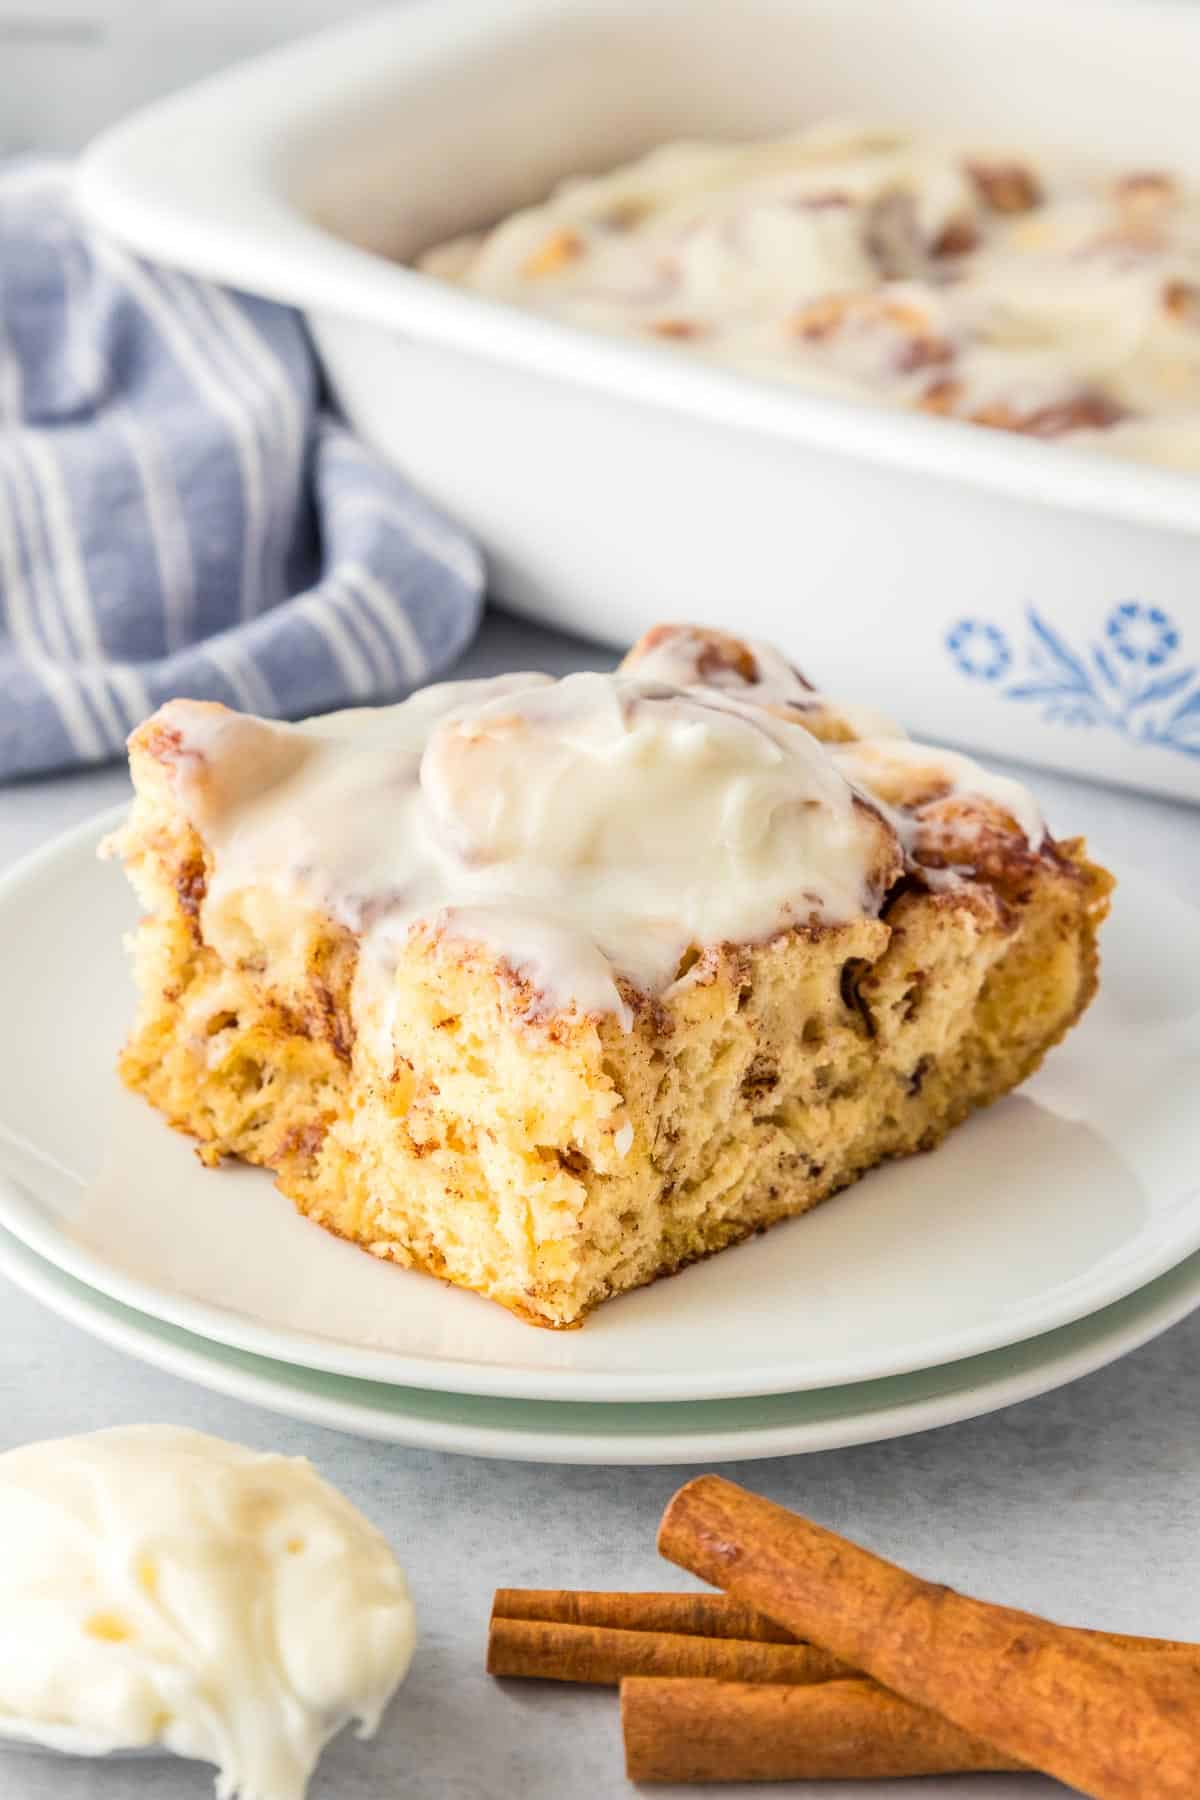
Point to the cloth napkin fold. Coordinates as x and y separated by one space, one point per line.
178 515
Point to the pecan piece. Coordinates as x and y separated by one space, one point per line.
956 238
1085 411
941 397
677 328
1088 410
924 353
1182 301
821 318
560 248
1006 187
1146 192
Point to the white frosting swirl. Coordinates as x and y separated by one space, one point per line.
585 829
595 833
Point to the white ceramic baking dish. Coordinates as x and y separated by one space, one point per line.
1017 596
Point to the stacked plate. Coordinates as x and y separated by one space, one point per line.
1050 1235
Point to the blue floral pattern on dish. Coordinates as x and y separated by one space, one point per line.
980 650
1126 681
1142 634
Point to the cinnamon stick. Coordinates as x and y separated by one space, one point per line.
678 1730
1115 1723
693 1615
1175 1650
718 1616
542 1649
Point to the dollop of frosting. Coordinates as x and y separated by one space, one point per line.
162 1587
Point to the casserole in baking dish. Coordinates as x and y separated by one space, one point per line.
1025 597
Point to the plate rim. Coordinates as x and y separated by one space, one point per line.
1069 1353
27 1218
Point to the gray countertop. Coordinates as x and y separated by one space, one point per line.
1084 1504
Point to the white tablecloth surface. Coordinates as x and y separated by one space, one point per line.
1081 1504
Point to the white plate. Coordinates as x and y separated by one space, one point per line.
699 1432
1050 1205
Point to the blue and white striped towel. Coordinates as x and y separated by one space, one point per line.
177 515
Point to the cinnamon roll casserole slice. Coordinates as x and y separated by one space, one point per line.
549 988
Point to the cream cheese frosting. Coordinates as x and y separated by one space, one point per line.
162 1587
591 832
1031 293
892 770
585 829
695 657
